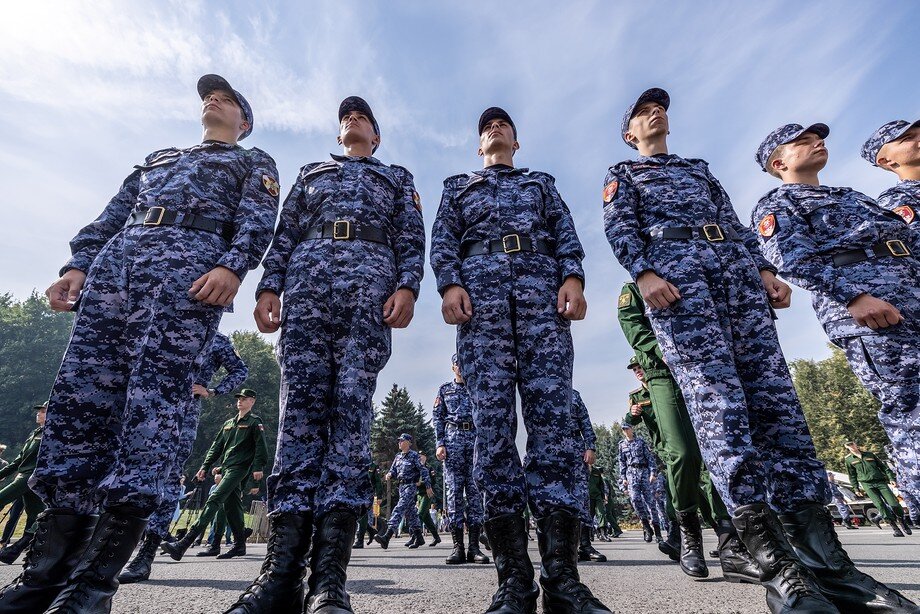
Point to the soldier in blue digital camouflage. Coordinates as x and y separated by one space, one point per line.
347 257
638 470
508 266
895 147
709 293
864 276
587 440
149 280
219 354
407 470
455 436
846 514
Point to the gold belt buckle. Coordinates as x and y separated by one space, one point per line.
516 245
339 236
897 248
151 222
713 233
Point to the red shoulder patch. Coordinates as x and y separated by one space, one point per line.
271 185
767 226
907 212
610 190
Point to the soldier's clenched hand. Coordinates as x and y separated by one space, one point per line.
399 308
656 291
216 287
456 306
571 303
779 292
64 292
200 475
268 312
441 453
874 312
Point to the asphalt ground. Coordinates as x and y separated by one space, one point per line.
636 579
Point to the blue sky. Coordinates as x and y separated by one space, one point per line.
87 90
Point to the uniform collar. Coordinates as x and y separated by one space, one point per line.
365 159
662 159
212 144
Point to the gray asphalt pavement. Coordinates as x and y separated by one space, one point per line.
636 579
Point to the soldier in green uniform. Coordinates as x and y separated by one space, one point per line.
611 510
22 466
597 500
423 502
660 405
240 451
367 525
871 476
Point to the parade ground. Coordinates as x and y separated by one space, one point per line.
635 579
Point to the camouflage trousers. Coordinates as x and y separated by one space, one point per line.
721 345
115 410
161 518
642 495
660 491
406 507
463 500
842 508
888 365
516 341
333 345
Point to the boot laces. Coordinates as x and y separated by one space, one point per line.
794 581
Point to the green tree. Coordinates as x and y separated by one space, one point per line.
837 407
32 342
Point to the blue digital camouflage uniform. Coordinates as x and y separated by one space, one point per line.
801 228
660 492
910 497
837 496
116 408
452 418
515 338
637 463
718 339
585 439
219 354
333 340
407 469
903 199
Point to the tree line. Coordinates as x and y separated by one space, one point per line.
33 339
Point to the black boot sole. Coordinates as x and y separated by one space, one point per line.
737 578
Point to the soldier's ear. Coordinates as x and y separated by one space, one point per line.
480 153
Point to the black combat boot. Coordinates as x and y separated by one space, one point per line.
435 539
737 564
587 552
10 553
458 556
656 529
646 531
418 539
473 553
895 529
329 562
176 550
791 587
563 591
848 523
484 539
371 533
671 546
384 538
213 548
692 562
61 537
279 587
238 549
517 592
811 532
905 526
359 538
138 569
93 583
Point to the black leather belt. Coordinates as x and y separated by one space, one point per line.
159 216
710 232
343 230
508 244
463 426
882 249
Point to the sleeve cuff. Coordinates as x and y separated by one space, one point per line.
235 262
640 266
572 268
845 292
79 262
409 281
270 283
447 280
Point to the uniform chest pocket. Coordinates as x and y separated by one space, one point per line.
530 198
382 189
476 202
218 175
157 171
